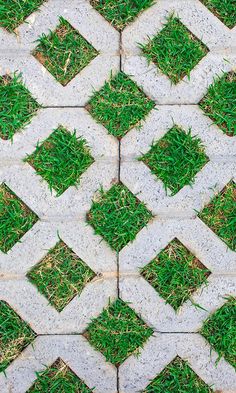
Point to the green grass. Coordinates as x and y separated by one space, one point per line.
120 12
175 274
14 12
220 331
117 216
58 378
225 10
178 377
61 275
120 105
220 103
64 52
17 107
15 218
61 159
15 335
118 332
220 215
176 159
174 50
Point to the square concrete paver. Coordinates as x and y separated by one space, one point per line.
116 160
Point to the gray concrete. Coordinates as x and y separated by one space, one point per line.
60 334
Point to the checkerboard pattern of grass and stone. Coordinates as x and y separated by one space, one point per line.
117 196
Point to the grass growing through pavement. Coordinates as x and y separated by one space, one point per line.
225 10
178 377
120 12
118 332
117 215
61 159
220 215
176 159
58 378
64 52
15 335
61 275
14 12
120 105
220 103
15 219
220 331
174 50
16 105
175 274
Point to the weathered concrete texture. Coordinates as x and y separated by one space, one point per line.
136 373
175 333
88 364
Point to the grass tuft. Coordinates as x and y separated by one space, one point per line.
14 12
120 12
15 335
118 332
17 107
220 215
58 378
175 50
117 216
178 377
61 275
220 331
220 103
176 159
64 52
175 274
15 219
120 105
225 10
61 159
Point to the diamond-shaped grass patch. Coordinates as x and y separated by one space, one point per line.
220 215
14 12
220 331
225 10
61 275
176 159
220 103
64 52
15 218
120 105
120 12
118 332
15 335
175 274
61 159
58 378
17 106
117 216
178 377
175 50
